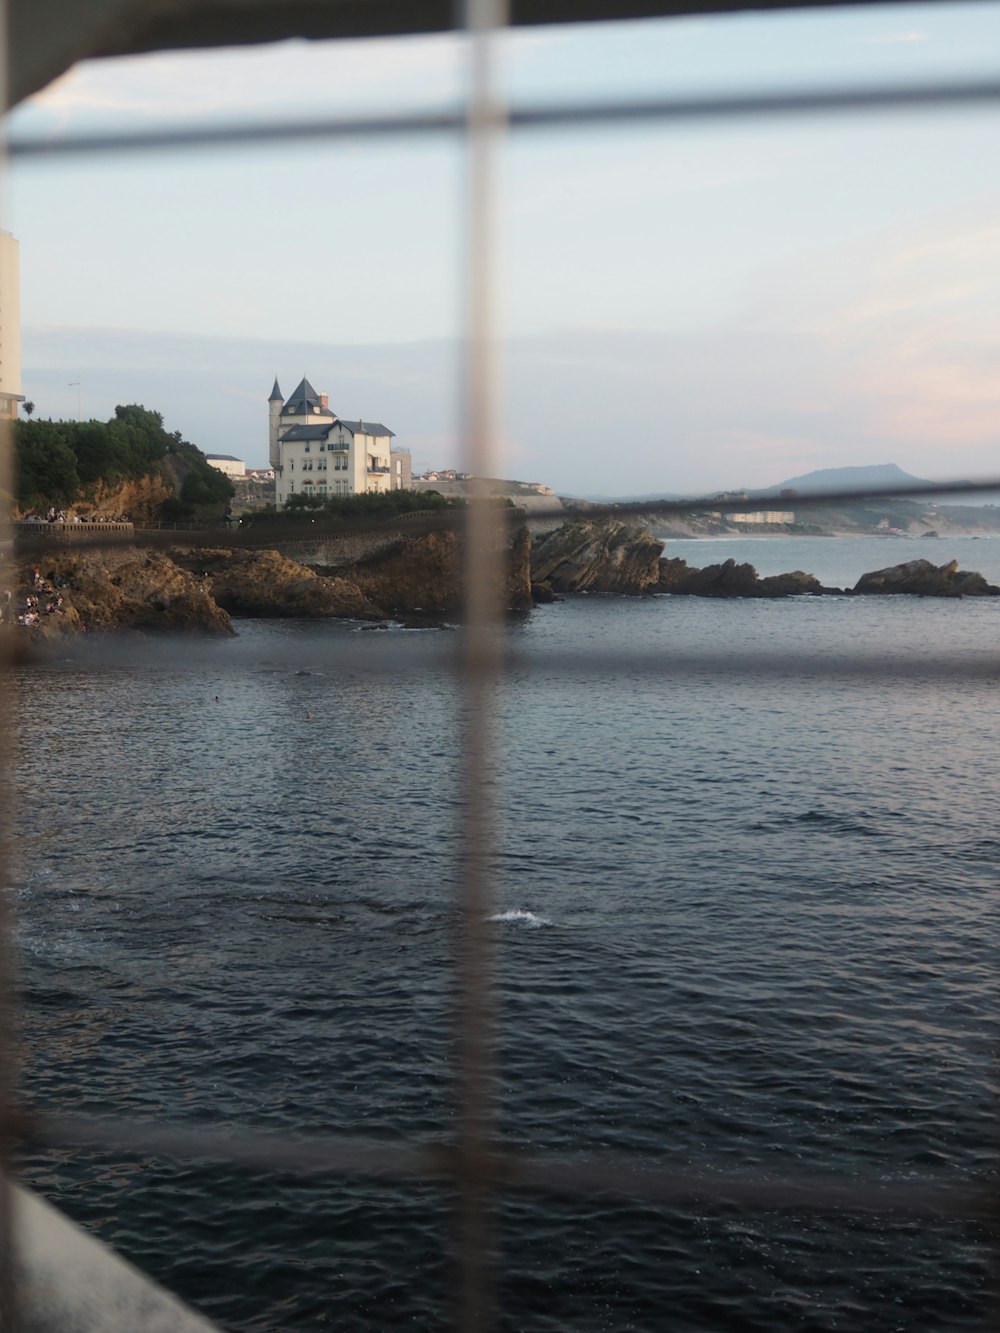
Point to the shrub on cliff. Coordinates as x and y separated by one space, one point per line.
46 466
374 504
58 462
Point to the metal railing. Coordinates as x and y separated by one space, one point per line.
476 1162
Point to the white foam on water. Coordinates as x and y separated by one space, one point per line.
519 916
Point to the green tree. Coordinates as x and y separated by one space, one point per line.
45 465
57 459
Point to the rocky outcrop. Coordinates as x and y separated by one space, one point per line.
124 589
425 575
732 580
542 594
264 583
920 578
141 499
197 589
597 555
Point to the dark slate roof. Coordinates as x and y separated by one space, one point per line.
228 458
305 433
305 400
276 394
367 428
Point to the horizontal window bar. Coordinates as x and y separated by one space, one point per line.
40 537
568 115
611 1176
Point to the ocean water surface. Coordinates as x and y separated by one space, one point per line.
746 916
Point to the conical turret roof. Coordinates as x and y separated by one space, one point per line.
305 401
276 393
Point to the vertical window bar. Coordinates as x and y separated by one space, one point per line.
8 1295
484 577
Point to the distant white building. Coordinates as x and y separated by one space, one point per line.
232 467
764 516
315 452
10 326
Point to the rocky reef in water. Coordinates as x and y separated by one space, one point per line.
419 579
735 580
597 555
609 555
920 578
424 575
416 576
270 585
198 590
114 589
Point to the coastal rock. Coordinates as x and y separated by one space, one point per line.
921 578
425 574
796 583
542 593
734 580
122 589
266 584
597 555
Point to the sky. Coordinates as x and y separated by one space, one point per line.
682 310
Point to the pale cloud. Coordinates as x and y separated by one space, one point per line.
644 175
894 39
919 336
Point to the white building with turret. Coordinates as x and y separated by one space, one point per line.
315 452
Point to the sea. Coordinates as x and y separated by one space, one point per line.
747 893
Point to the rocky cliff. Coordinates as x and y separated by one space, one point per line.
597 555
141 499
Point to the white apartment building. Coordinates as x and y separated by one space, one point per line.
764 516
10 326
315 452
227 463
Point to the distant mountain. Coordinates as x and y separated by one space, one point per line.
875 476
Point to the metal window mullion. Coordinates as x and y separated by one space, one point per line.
9 1316
485 533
